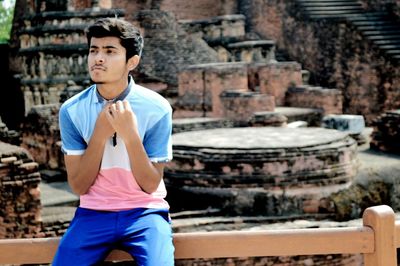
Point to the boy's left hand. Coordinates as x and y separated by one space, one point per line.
122 119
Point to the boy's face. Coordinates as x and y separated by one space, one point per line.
107 60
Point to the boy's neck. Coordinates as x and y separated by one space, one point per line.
111 91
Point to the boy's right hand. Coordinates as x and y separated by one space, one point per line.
103 126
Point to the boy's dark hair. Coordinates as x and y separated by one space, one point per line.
128 34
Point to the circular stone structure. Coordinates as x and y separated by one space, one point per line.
260 170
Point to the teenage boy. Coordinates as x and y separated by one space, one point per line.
116 139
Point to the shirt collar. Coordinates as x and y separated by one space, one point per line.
122 96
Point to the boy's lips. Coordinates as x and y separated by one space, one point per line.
98 68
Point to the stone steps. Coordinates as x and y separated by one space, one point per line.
368 16
217 30
40 29
376 27
393 52
386 42
80 48
326 1
380 32
226 34
389 26
348 16
332 13
198 96
329 101
312 116
252 51
384 37
390 46
330 4
199 123
240 106
371 23
329 9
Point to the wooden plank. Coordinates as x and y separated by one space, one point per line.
274 243
20 251
381 220
350 240
397 230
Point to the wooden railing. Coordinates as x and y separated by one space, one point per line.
377 239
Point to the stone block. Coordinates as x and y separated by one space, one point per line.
201 85
241 105
262 119
330 101
219 29
354 124
199 123
222 77
313 116
276 78
252 51
191 89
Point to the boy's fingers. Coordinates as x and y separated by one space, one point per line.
119 106
126 104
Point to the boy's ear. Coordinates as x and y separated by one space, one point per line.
133 62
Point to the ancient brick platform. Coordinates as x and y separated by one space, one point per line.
260 170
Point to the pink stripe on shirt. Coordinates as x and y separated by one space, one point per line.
116 189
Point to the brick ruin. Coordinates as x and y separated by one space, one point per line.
52 53
223 65
261 170
20 196
341 44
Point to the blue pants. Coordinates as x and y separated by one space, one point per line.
144 233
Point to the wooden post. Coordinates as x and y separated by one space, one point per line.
382 220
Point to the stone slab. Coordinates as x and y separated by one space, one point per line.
354 124
257 138
57 194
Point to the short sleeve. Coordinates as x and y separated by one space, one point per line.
158 141
72 143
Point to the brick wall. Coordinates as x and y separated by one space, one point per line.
181 8
40 135
334 52
168 49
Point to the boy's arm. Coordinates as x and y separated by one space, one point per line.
147 174
82 170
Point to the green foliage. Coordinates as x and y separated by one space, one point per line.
6 17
